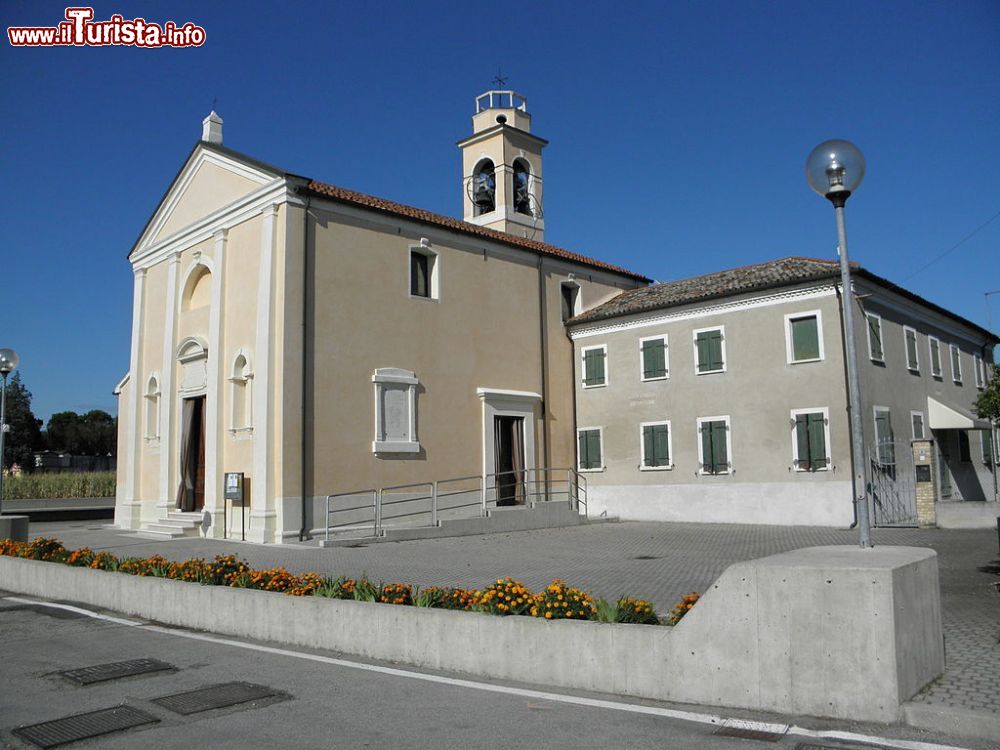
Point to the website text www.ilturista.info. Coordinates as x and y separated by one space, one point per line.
80 30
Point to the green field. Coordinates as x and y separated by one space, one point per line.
59 486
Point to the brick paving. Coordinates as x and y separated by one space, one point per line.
656 561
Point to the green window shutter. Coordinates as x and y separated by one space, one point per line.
874 337
987 439
720 454
805 338
817 441
703 352
709 351
911 350
706 448
661 445
654 359
648 447
715 339
594 367
802 441
585 461
594 449
935 357
883 437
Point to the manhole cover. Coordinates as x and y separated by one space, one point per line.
80 727
214 696
114 671
748 734
645 557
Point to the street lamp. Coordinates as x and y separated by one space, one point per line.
8 363
835 169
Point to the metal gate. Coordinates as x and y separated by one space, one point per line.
892 486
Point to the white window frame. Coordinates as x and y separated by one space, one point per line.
433 272
923 425
151 398
246 377
875 413
977 365
394 376
790 344
577 297
642 447
694 344
916 349
881 337
666 359
600 440
583 366
825 411
931 340
729 445
956 376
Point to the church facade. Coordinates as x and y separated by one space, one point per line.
318 340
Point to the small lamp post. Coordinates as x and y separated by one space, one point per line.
835 169
8 363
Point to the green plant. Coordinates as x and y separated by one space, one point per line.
57 486
636 611
336 588
561 602
366 591
505 597
605 611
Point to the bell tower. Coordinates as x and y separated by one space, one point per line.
502 167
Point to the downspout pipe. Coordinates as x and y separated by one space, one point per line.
306 297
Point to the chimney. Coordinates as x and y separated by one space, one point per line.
211 128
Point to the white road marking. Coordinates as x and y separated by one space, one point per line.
668 713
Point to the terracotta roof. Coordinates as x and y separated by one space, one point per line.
409 212
712 285
756 277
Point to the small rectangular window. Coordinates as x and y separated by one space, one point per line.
589 441
987 446
802 337
910 337
875 338
420 282
594 366
884 439
956 364
714 445
654 357
656 445
935 346
811 439
964 451
570 294
917 418
710 350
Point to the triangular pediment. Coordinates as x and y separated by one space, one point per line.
210 180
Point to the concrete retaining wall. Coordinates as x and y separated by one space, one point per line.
826 631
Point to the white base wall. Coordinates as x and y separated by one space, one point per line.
777 503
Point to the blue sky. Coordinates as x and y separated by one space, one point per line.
678 134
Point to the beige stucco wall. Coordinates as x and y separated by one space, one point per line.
758 390
211 188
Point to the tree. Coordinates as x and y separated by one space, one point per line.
91 434
24 434
987 406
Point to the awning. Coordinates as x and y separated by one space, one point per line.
941 417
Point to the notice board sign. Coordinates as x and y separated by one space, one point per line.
234 487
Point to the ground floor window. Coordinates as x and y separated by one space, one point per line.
591 449
811 439
714 448
655 445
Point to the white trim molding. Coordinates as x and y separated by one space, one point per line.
694 343
433 271
955 355
790 344
923 425
881 339
387 379
936 371
583 365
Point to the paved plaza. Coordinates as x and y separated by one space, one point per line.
657 561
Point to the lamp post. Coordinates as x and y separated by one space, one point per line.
835 169
8 363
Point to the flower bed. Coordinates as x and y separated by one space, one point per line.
503 597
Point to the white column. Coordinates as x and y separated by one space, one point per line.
168 401
213 400
261 504
128 512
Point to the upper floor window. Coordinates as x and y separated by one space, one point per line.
935 347
910 339
595 366
656 445
710 350
152 397
570 297
484 188
395 411
956 364
522 188
811 439
655 359
977 365
875 338
714 447
423 273
917 418
803 342
591 451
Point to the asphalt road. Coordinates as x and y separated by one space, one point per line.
324 702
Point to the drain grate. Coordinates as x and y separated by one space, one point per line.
115 671
214 696
645 557
83 726
748 734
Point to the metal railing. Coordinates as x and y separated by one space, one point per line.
426 504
